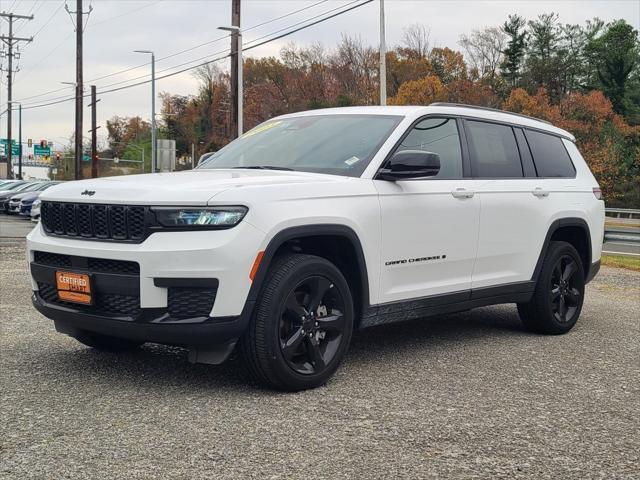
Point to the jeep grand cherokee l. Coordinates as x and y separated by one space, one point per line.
317 223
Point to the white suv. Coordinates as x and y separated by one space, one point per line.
317 223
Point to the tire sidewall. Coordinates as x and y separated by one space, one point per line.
559 250
271 313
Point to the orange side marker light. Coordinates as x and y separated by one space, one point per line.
256 264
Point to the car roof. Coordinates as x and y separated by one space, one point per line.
467 111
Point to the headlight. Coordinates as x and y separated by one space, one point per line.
36 203
203 217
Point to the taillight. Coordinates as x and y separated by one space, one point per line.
597 192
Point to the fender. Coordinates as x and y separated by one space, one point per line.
301 231
564 222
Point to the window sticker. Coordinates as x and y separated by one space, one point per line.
261 129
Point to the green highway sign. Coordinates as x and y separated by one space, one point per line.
15 150
41 151
86 158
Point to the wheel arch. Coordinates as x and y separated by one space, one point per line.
573 230
304 238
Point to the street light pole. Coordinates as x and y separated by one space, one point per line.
10 105
237 30
383 59
154 155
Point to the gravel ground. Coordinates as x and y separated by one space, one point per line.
462 396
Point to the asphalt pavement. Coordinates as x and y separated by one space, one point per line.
470 395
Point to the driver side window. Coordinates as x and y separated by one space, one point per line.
440 136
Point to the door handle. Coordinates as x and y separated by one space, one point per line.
462 193
540 192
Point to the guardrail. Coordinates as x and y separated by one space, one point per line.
616 235
622 213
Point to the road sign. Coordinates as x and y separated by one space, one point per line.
15 149
41 151
86 158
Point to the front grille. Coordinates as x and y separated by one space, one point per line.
104 222
101 265
190 302
104 303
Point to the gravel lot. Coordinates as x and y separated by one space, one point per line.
463 396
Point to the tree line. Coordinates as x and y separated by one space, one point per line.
584 78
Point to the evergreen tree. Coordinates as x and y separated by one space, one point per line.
514 53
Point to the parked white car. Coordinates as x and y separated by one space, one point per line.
35 210
317 223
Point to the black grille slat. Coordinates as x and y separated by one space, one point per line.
118 222
135 220
100 221
83 214
69 220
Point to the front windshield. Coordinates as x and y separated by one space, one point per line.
334 144
14 186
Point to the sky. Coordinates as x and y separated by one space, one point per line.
115 28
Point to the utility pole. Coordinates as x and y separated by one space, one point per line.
79 84
94 134
383 58
10 41
235 54
154 141
20 142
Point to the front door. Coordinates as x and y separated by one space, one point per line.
430 225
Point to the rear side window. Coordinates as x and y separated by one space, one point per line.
440 136
494 151
549 155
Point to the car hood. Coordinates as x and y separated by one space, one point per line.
193 187
25 196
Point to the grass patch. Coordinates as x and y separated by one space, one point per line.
621 261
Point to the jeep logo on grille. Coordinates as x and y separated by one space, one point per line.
88 192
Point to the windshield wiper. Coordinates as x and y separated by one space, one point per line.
267 167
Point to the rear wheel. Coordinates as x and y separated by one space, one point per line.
302 324
557 301
105 342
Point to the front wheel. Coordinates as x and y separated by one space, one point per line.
557 302
302 324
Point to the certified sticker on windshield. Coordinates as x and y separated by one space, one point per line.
261 128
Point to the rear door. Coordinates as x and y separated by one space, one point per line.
515 205
430 225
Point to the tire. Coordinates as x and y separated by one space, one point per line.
105 343
557 301
301 325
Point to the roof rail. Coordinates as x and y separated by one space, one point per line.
478 107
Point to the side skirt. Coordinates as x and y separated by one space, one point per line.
446 303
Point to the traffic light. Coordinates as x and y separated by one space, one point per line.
57 157
43 143
30 143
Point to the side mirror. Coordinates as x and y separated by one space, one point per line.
411 164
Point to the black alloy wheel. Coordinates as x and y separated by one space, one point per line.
565 296
302 323
557 300
312 325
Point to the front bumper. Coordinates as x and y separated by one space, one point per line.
215 254
206 335
153 291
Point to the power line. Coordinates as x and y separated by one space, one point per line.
119 72
50 19
143 82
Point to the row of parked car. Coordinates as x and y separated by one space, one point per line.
21 197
